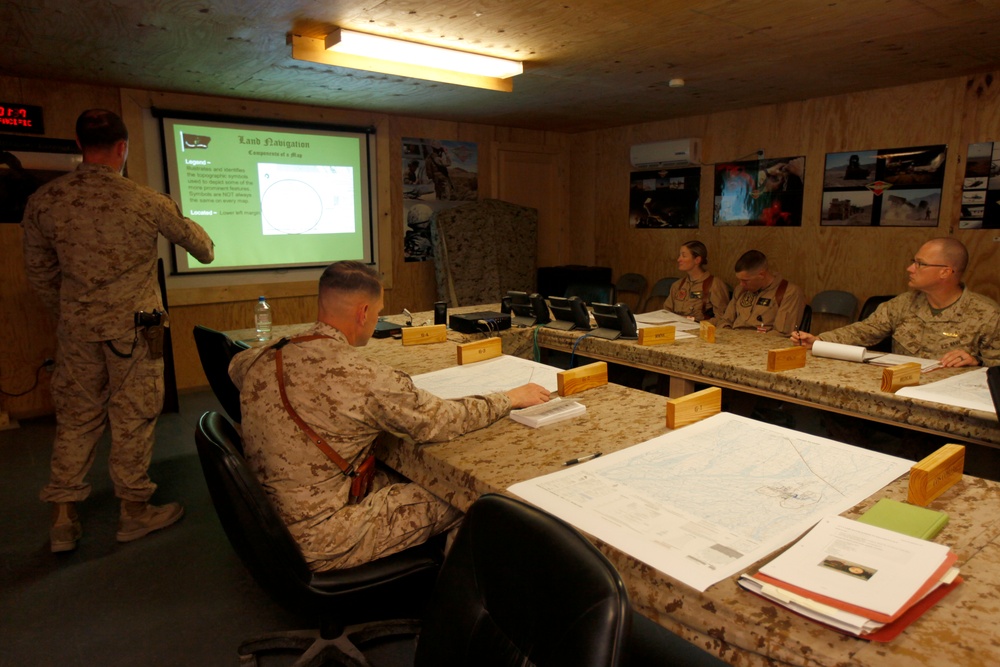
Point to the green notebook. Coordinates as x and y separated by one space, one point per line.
905 518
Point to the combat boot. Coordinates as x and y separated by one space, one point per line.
139 518
66 528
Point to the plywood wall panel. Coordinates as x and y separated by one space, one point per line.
865 261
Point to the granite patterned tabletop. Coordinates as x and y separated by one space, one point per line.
738 360
725 620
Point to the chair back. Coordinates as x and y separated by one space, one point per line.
661 290
260 538
805 324
216 350
869 307
591 292
634 286
835 302
521 587
254 528
873 302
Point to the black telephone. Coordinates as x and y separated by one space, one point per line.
614 321
527 310
569 313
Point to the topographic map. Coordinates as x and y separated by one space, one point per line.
705 501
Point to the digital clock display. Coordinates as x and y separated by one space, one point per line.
21 118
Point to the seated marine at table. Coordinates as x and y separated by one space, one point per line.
937 318
763 300
698 294
320 382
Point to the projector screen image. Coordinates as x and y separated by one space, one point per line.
270 197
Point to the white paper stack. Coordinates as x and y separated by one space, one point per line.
861 579
544 414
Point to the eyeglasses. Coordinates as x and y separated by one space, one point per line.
923 265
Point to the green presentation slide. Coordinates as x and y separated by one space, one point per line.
270 197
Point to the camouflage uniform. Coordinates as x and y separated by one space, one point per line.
348 399
688 298
90 250
972 324
746 307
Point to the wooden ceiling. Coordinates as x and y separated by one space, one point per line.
589 63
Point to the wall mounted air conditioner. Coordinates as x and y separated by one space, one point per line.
667 154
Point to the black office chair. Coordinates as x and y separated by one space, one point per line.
216 350
661 290
521 587
871 303
591 292
257 533
634 285
807 317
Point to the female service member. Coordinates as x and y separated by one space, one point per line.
698 294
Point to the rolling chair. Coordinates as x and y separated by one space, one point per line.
871 303
834 302
216 350
269 552
521 587
632 284
591 292
660 290
807 317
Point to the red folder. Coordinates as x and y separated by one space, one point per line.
861 611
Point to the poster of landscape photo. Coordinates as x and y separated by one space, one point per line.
981 187
888 187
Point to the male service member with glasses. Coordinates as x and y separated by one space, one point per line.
937 318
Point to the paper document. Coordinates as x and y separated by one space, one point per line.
487 377
661 317
554 411
965 390
705 501
822 348
897 359
860 568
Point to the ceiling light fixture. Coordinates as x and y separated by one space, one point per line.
356 50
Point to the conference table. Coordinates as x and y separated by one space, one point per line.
738 360
725 620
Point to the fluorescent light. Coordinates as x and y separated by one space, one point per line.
346 48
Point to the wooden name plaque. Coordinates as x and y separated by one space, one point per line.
583 378
479 350
903 375
693 407
657 335
935 474
786 358
435 333
707 331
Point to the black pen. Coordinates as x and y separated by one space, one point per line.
582 459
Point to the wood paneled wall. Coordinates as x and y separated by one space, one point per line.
865 261
595 227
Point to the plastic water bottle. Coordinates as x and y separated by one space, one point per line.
262 319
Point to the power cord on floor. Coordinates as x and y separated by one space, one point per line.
48 363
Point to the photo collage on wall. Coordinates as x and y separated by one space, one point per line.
666 198
437 175
760 192
888 187
981 187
